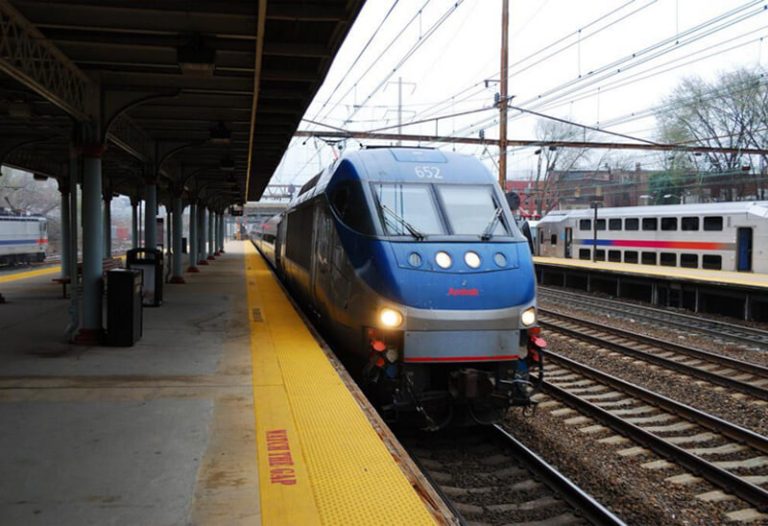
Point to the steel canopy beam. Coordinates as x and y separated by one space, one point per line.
532 143
27 56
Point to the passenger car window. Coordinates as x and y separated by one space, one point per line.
631 223
648 258
650 223
614 255
585 224
630 256
689 260
585 253
600 224
668 259
669 223
712 262
614 224
689 223
713 223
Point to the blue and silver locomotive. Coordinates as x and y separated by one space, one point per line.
412 265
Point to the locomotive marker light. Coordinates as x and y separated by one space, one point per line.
472 259
390 318
528 317
443 260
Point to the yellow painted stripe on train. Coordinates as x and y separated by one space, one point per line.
30 274
340 472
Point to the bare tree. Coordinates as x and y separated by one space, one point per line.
555 158
726 113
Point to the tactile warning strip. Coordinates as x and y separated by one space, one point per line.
320 461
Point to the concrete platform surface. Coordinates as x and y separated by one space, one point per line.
161 433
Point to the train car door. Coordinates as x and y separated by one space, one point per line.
568 241
744 249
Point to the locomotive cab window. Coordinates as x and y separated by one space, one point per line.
614 224
650 223
713 223
689 223
407 210
631 223
585 224
669 223
472 210
348 201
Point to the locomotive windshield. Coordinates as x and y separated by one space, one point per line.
408 210
415 210
472 210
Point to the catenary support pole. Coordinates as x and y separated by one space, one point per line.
201 235
177 226
150 216
134 223
210 234
93 251
65 229
192 248
108 225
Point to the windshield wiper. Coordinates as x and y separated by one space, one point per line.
409 227
488 232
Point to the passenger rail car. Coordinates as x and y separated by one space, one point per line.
23 238
411 262
711 236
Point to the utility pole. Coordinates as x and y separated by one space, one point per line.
503 96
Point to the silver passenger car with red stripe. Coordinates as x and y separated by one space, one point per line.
709 236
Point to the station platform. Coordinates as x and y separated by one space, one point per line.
742 295
227 411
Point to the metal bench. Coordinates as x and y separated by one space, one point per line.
107 264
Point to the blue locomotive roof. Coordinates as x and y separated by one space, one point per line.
400 165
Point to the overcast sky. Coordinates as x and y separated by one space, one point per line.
596 62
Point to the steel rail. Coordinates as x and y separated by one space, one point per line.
579 499
717 328
711 422
726 480
752 390
747 367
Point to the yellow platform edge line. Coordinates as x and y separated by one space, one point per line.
30 274
720 277
333 448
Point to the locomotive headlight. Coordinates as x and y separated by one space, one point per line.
528 317
443 259
472 259
390 318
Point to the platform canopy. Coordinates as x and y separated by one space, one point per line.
201 96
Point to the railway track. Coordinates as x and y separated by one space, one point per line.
723 331
693 444
744 377
486 475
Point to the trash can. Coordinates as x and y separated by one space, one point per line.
150 262
124 307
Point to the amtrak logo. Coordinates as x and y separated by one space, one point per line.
463 292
